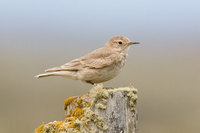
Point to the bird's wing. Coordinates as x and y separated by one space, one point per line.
73 65
99 58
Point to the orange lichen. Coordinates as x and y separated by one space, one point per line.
89 104
71 125
40 129
59 125
75 114
78 117
79 102
78 112
68 101
69 119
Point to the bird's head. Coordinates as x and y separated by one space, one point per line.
120 43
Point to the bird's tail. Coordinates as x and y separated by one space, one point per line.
44 75
66 74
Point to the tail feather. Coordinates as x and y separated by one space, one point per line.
52 69
61 69
67 74
44 75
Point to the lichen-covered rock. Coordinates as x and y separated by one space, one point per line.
101 110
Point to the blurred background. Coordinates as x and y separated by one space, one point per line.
35 35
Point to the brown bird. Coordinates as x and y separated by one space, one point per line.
98 66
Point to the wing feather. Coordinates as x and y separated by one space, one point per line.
73 65
97 59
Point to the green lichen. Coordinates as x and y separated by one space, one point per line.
95 118
130 92
100 106
99 93
100 96
79 115
132 100
124 89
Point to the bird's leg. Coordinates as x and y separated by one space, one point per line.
94 84
90 82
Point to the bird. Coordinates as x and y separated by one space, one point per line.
98 66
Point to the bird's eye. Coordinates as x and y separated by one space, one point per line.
120 42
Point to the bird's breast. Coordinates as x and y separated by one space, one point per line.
122 59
